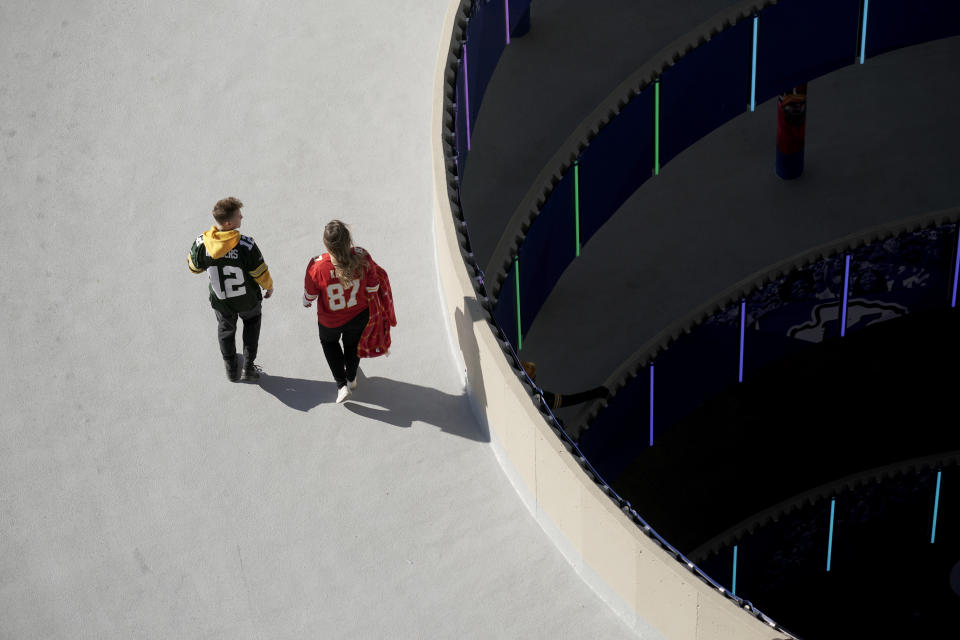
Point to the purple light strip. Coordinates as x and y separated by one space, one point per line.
846 288
651 404
466 91
743 324
956 271
506 17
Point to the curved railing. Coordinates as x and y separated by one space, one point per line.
857 541
455 120
743 530
828 292
628 139
741 58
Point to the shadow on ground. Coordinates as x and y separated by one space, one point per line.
401 404
390 401
298 393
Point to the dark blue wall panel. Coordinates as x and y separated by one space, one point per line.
547 250
892 24
789 314
799 40
486 39
709 86
460 123
694 368
518 8
617 162
505 312
621 430
911 273
906 274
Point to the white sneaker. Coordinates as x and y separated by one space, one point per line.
342 394
353 384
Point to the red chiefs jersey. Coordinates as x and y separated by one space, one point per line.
375 340
338 303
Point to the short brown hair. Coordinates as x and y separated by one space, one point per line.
225 209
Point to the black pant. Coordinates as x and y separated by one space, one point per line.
227 329
343 362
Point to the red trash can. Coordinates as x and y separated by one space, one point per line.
791 131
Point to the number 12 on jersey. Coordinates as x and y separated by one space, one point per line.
336 298
232 285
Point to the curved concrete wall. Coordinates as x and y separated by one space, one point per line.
653 592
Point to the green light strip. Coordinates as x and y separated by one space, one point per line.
576 202
516 276
656 127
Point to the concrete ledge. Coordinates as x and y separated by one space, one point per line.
651 591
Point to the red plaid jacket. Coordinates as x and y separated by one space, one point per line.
375 340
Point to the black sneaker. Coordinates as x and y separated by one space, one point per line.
233 369
250 371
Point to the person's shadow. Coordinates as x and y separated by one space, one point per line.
298 393
401 404
390 401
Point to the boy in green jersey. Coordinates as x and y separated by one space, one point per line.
237 272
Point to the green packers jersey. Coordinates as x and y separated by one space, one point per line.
232 284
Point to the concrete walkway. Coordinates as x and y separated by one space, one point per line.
141 494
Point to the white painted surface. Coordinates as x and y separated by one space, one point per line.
141 494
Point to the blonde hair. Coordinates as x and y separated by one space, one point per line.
336 238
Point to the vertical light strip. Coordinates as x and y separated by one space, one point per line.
846 289
516 275
651 404
576 204
466 91
733 587
936 508
833 504
656 127
863 32
506 17
753 71
956 271
743 324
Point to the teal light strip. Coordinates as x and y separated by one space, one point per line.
753 72
733 588
516 277
936 508
656 127
833 504
863 32
576 203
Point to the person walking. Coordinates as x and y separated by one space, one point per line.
340 282
237 272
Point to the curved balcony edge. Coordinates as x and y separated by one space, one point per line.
631 365
656 592
824 492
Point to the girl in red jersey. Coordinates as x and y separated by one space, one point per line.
340 282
